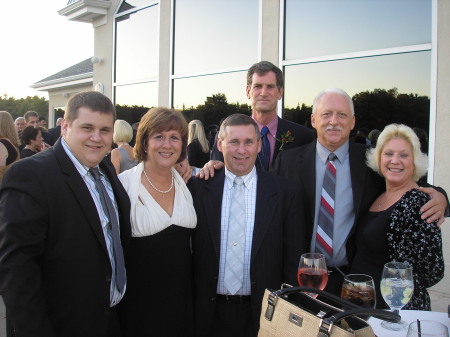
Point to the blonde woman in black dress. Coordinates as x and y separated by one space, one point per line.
393 228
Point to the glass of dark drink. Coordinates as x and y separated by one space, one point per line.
360 290
312 271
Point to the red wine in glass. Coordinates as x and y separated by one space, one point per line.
311 277
312 271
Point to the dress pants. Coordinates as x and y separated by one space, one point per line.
232 319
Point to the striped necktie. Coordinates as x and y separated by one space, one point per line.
113 229
324 233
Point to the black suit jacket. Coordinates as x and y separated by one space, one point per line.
55 132
301 134
299 165
278 242
55 271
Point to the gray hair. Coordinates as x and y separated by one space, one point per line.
333 91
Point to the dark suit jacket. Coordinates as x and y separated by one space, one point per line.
302 135
278 242
299 165
48 138
55 132
55 271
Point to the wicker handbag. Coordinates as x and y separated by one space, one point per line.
290 312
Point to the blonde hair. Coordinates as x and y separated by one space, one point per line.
123 132
7 128
196 131
399 131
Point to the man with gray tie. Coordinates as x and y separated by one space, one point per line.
248 236
64 218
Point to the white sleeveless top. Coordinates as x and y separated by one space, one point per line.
147 216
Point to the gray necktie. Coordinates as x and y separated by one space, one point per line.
113 229
234 264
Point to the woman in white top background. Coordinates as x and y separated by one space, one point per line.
158 299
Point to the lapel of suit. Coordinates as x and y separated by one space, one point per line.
212 204
358 174
306 164
80 192
281 128
264 208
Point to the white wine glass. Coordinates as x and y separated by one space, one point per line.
312 271
396 287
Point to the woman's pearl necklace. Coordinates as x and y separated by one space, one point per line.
158 190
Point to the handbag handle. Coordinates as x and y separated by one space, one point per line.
343 303
354 310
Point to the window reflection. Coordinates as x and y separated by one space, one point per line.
384 77
142 94
137 46
190 92
407 72
215 34
318 28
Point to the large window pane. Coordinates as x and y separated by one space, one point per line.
137 46
324 27
190 92
407 73
214 34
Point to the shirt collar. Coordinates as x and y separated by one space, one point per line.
248 178
82 169
340 153
272 126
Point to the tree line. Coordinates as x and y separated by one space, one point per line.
373 109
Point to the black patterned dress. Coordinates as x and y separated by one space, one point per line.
399 234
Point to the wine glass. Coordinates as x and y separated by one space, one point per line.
396 288
427 329
360 290
312 271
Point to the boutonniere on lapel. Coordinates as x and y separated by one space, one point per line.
286 138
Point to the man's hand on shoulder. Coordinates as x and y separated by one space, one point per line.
184 170
208 169
434 209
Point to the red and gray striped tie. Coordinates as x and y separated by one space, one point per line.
324 234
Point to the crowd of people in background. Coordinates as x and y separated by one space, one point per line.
120 238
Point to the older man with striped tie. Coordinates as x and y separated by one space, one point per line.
337 187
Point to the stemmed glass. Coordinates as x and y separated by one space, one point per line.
312 271
396 287
360 290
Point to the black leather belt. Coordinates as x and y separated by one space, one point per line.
332 270
236 299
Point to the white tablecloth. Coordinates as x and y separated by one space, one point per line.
409 316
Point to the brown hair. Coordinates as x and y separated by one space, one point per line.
262 68
89 99
158 120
